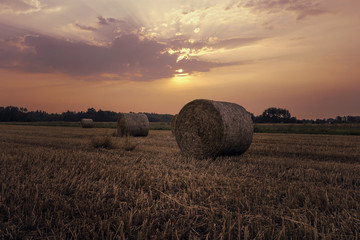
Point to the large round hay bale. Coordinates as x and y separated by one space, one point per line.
87 123
173 123
133 124
206 128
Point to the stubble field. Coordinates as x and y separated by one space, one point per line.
55 184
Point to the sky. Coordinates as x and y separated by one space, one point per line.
156 56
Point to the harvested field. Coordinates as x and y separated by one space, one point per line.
55 184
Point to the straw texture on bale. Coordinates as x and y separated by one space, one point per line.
173 123
133 124
87 123
207 129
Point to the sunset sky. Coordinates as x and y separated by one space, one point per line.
155 56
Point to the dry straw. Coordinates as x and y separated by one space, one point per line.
132 124
206 128
87 123
173 123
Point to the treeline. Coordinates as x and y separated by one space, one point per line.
270 115
15 114
281 115
274 115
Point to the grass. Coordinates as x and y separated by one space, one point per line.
105 141
109 142
55 185
160 126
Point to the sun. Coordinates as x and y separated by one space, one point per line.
179 73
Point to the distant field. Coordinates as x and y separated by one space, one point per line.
153 125
55 185
331 129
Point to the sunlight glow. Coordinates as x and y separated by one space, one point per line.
181 79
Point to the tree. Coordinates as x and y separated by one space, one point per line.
276 115
12 114
90 113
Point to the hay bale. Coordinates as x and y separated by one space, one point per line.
173 123
206 128
87 123
133 124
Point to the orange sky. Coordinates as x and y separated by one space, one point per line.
155 56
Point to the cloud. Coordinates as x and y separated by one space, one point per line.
130 56
308 12
105 29
20 6
234 42
302 8
214 43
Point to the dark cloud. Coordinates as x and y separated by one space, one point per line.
9 53
112 20
87 28
11 46
108 21
302 8
128 57
8 31
102 21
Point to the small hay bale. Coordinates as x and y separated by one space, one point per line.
133 124
206 128
173 123
87 123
